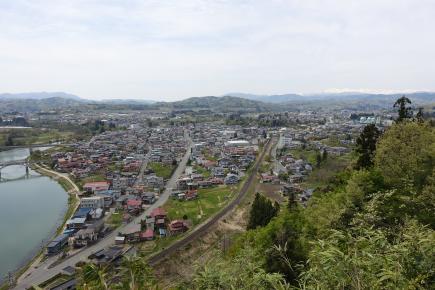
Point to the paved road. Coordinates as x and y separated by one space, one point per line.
43 272
204 227
277 166
142 169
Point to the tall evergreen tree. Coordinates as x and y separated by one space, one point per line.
262 211
404 111
366 146
419 117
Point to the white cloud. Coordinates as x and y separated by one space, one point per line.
173 49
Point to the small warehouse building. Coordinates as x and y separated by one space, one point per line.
57 244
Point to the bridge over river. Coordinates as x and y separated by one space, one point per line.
4 164
23 162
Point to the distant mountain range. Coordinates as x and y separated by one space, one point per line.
39 96
267 98
31 102
127 101
47 95
419 97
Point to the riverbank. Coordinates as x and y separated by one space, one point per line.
67 184
73 202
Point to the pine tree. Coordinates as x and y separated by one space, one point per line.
404 111
366 146
419 115
262 211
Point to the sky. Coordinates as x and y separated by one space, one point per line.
169 50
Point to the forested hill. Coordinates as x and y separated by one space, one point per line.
221 104
35 104
216 104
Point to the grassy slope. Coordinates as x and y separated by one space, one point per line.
209 202
161 170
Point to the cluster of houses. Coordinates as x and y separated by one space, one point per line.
220 155
296 139
154 225
119 154
88 223
309 137
84 228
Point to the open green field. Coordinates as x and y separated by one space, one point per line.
115 218
91 178
209 202
309 155
19 137
203 171
161 170
152 247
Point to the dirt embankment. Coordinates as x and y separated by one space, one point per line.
181 267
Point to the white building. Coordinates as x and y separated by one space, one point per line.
92 202
237 143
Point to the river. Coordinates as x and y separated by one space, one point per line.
30 212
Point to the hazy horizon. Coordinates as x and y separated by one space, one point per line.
173 50
234 94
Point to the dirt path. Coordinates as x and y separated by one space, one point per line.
59 175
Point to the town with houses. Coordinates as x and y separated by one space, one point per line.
216 144
116 178
138 174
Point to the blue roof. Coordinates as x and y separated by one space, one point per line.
108 192
69 232
59 239
82 212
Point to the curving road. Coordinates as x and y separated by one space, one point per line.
204 227
44 272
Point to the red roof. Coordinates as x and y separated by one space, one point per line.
149 233
158 212
97 185
192 192
134 202
177 224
